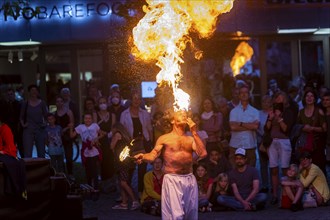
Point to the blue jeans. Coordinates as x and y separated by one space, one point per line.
232 202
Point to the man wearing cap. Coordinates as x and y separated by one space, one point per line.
244 122
311 176
244 180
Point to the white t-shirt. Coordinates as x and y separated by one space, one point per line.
88 133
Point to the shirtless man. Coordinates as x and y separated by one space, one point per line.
179 190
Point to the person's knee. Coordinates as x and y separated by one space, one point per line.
220 200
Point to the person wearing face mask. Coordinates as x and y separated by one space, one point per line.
115 103
105 120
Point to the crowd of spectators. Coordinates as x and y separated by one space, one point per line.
288 134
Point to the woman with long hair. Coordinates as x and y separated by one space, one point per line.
125 169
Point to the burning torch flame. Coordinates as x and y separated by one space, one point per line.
125 152
162 35
243 54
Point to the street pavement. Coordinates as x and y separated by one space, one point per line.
101 210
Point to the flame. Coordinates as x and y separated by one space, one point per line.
163 33
243 54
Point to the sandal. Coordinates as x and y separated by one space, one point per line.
120 206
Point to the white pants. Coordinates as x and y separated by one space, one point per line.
179 197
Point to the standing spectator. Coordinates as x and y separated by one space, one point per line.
266 107
11 113
120 139
65 119
326 105
314 124
311 176
244 121
153 181
70 104
115 105
211 123
244 181
91 156
54 144
292 189
138 124
279 124
33 120
93 92
225 111
234 98
272 87
106 120
89 107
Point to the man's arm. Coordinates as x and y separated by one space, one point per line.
197 145
150 157
244 126
255 190
239 197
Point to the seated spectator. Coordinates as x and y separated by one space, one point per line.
217 163
217 188
203 182
15 180
151 195
311 176
292 189
244 180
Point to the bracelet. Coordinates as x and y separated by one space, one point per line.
280 120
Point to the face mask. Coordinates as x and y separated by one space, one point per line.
103 106
115 101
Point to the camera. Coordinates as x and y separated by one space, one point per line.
278 106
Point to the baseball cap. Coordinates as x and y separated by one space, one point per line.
240 151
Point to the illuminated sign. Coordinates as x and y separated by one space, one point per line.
78 10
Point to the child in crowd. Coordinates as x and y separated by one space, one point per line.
220 186
292 189
54 144
203 182
91 154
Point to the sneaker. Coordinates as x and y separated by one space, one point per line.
120 206
135 205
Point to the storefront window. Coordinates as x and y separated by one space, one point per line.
278 62
312 61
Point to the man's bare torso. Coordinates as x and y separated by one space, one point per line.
177 152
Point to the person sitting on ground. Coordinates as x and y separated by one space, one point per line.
219 187
203 182
217 163
15 180
292 189
311 176
151 195
244 180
